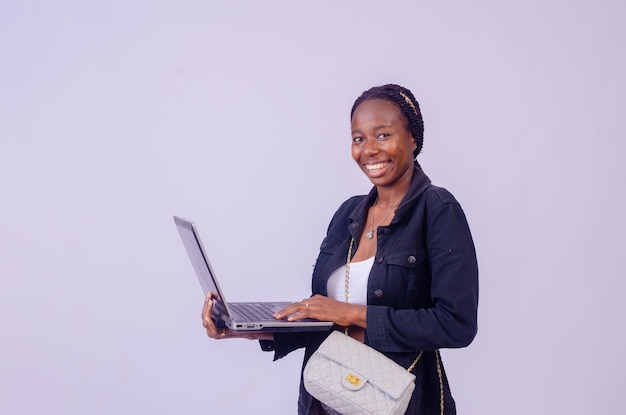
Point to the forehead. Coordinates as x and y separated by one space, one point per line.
374 112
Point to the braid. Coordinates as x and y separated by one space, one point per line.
404 99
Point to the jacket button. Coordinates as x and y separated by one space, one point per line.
378 293
387 231
411 259
379 259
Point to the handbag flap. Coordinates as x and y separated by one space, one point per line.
366 365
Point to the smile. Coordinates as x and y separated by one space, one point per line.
375 167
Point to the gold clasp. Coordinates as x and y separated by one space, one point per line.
353 379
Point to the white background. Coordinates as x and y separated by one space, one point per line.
116 115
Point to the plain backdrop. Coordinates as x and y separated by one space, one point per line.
116 115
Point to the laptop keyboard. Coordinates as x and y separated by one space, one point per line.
254 311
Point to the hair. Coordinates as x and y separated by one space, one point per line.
404 99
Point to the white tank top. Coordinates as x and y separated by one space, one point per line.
357 284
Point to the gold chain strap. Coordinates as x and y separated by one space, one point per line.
440 381
347 282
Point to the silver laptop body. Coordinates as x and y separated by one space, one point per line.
248 316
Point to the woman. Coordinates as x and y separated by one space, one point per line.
412 281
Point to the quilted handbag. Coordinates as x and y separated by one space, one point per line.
353 378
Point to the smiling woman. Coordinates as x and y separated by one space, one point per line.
411 279
409 285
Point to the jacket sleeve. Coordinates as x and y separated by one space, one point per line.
284 343
451 320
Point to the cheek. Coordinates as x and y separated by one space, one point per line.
408 149
356 153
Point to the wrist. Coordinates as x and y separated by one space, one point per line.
358 316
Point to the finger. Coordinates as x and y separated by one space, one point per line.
291 309
303 311
207 316
207 300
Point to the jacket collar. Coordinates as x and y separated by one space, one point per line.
419 183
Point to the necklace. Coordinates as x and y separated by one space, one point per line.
370 234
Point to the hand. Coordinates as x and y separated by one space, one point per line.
323 308
207 319
217 333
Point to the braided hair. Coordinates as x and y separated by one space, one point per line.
404 99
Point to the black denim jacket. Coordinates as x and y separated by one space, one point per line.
422 292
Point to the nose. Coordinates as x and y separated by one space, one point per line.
370 146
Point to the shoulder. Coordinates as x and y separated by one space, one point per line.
440 207
437 202
349 205
436 196
341 218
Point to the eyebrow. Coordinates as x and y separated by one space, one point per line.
378 127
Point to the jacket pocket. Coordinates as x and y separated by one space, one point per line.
407 270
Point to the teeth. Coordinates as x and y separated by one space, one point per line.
373 167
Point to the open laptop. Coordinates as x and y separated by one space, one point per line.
244 317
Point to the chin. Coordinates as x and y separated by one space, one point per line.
378 181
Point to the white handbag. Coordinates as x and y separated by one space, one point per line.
353 378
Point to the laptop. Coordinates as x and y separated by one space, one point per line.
242 317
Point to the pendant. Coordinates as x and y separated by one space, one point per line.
370 235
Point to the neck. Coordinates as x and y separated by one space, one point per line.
390 195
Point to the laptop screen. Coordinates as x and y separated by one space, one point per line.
201 264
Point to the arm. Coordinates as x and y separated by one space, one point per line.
326 309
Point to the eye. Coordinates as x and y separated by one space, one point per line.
357 139
382 136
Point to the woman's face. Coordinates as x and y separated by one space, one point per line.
382 144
